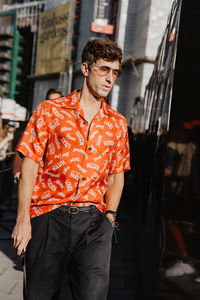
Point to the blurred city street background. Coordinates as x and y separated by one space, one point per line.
157 255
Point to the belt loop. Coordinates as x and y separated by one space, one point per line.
91 210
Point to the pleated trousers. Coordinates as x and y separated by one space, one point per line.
79 244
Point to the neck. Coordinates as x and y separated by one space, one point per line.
88 100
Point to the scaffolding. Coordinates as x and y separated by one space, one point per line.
27 13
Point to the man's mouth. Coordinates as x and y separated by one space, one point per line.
107 87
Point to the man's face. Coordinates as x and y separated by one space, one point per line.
101 76
54 96
10 129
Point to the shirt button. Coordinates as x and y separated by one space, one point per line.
83 178
84 123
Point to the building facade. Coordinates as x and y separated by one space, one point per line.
137 25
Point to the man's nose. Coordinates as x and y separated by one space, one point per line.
109 76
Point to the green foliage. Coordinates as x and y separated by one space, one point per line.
1 91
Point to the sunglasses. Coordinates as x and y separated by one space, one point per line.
104 70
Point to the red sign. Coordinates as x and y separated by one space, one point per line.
107 29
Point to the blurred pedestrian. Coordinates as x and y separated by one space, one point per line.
6 142
6 180
53 94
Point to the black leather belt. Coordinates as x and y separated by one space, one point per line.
74 210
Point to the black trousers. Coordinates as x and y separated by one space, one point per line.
80 243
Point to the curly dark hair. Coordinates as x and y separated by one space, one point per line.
101 49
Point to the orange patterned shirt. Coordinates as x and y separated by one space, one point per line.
73 168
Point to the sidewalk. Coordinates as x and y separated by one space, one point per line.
177 288
11 276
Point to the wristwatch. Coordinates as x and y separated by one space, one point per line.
112 212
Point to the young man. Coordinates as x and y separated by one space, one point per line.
67 206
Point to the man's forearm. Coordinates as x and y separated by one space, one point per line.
26 185
24 200
22 231
114 191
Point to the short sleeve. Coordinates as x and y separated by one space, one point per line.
121 153
33 142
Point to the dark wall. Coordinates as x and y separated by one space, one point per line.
186 91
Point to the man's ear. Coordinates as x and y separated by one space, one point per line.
85 69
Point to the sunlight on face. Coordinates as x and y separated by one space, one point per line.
101 84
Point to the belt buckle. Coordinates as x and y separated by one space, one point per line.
72 208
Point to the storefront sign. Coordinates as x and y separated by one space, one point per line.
54 39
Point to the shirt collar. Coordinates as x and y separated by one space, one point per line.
72 102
